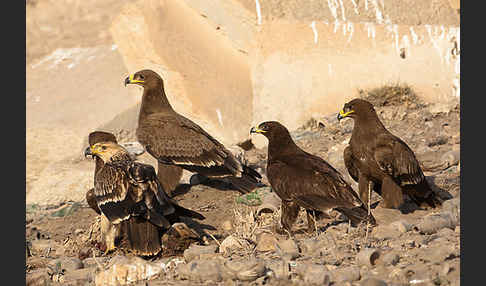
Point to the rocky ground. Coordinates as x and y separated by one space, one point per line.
239 246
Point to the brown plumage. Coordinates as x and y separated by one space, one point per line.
378 159
93 138
132 200
304 180
177 141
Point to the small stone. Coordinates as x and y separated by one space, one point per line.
373 282
401 226
79 276
350 273
453 206
232 243
446 268
435 222
43 246
314 274
311 247
39 277
244 269
390 258
66 264
451 158
288 248
266 242
194 251
125 270
95 261
227 225
280 269
200 271
385 232
368 257
78 231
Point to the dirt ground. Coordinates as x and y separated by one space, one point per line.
431 130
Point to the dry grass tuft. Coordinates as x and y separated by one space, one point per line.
392 94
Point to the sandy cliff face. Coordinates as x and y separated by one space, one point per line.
238 63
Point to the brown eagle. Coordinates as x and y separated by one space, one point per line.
301 179
176 141
131 198
381 161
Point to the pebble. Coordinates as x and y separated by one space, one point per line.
200 271
227 225
243 269
311 247
373 282
230 244
95 261
390 258
288 248
453 206
280 269
401 226
194 251
314 274
79 277
38 277
66 264
266 242
42 246
368 257
125 270
435 222
350 273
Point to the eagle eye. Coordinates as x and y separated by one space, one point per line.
103 147
142 77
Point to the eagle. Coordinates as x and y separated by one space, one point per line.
380 161
304 180
176 141
129 195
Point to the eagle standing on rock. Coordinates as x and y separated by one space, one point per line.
129 196
176 141
378 160
304 180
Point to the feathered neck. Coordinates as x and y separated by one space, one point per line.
154 100
368 123
281 144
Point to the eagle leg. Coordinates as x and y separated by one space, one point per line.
290 211
311 221
364 188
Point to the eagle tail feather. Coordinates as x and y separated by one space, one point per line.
140 236
358 215
249 180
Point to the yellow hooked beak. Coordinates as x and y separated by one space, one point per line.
130 80
256 130
343 114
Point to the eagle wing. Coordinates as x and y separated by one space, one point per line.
395 158
311 182
350 163
174 139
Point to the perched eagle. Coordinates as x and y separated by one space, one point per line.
378 160
174 140
129 195
303 180
93 138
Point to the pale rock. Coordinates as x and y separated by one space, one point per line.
200 271
266 242
243 269
288 248
194 251
124 270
